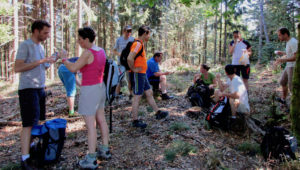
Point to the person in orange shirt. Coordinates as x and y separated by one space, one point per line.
138 78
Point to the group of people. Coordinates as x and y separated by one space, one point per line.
31 63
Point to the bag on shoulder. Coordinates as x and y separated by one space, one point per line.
50 141
279 144
125 53
219 114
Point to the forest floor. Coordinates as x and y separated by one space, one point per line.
177 142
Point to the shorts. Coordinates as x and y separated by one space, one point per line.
154 81
91 99
69 81
245 70
287 77
32 106
139 83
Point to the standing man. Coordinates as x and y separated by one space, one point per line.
138 78
289 57
31 63
156 77
240 50
119 46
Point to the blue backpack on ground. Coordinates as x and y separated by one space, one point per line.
50 141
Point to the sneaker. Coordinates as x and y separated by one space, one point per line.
27 165
139 124
165 96
103 152
161 114
88 162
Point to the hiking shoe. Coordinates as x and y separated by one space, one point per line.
75 114
103 152
88 162
161 114
165 96
139 124
27 165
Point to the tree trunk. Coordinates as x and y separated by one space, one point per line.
261 5
260 40
104 31
36 8
79 25
44 9
54 22
216 35
51 37
200 44
205 42
16 36
112 39
220 39
62 25
225 36
295 103
24 20
89 19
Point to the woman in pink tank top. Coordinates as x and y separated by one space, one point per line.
92 95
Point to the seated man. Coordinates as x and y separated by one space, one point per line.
156 77
238 97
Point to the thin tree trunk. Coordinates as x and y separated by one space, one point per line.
225 36
89 19
104 31
220 39
62 25
112 39
24 20
44 9
35 9
216 35
205 42
79 25
200 29
295 102
16 36
6 60
263 20
54 22
260 40
51 37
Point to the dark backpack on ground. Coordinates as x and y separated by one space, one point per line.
50 141
219 114
125 53
199 94
277 143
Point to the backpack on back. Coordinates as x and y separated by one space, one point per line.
219 114
125 53
113 74
277 143
51 136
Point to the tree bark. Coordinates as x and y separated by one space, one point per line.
24 20
216 35
79 25
89 19
205 42
261 5
16 36
51 38
220 39
36 7
295 103
260 40
225 35
112 39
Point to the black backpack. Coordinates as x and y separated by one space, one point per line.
50 141
199 94
277 143
125 53
219 114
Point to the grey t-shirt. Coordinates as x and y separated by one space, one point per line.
31 52
121 43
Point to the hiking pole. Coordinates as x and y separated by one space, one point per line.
110 117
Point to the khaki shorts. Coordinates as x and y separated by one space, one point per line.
287 77
91 99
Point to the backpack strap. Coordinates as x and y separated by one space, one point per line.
141 51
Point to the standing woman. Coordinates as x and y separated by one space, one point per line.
92 97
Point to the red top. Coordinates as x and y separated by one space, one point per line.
93 73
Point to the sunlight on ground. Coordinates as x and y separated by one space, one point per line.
9 130
75 126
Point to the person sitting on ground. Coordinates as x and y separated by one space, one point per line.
69 81
208 78
238 96
92 97
138 78
156 77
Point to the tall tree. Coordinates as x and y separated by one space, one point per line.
216 35
205 42
112 39
225 33
16 36
79 25
260 39
220 38
261 6
51 37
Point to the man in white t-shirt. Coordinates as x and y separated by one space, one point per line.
238 96
289 56
240 50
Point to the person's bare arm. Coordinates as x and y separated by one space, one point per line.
249 51
234 95
116 52
21 66
82 61
78 81
232 47
130 61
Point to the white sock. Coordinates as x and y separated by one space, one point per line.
24 157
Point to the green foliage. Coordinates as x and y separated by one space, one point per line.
179 126
177 148
6 8
11 166
249 148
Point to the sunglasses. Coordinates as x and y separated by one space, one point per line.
129 31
